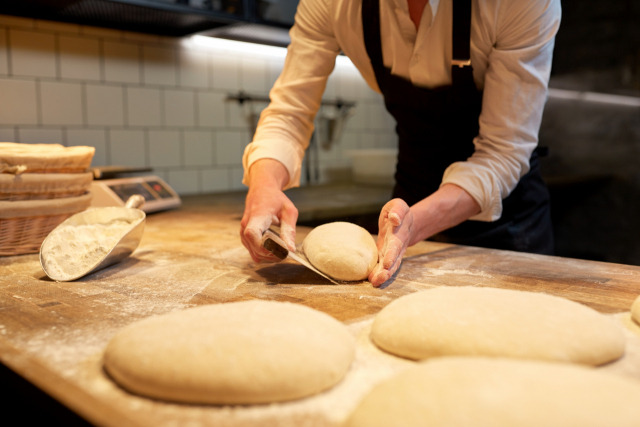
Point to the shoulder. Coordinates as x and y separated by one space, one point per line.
529 10
503 11
328 11
318 20
513 20
310 10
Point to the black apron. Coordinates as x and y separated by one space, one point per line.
436 128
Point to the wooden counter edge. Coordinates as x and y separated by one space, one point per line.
89 408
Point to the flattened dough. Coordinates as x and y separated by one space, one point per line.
635 310
494 392
236 353
342 250
478 321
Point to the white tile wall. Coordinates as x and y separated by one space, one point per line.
179 107
198 148
229 147
105 105
32 53
61 103
165 148
96 137
144 106
145 100
122 62
19 106
127 147
4 53
79 58
48 135
194 69
212 109
215 180
159 65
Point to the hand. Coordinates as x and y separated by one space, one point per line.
395 226
266 204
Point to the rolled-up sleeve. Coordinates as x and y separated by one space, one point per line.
286 125
515 91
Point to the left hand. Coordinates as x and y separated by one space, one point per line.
395 228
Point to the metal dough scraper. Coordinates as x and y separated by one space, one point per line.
273 243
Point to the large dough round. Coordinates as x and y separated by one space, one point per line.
342 250
635 310
479 392
236 353
496 322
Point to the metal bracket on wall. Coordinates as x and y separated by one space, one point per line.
329 124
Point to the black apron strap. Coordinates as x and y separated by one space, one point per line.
371 26
461 31
461 69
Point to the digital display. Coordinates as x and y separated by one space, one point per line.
124 191
160 189
158 195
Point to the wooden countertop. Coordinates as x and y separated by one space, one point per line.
53 334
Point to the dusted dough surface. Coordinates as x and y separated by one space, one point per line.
469 391
479 321
635 310
342 250
236 353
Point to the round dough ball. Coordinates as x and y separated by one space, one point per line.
475 321
479 392
342 250
236 353
635 310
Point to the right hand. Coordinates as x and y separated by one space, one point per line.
266 205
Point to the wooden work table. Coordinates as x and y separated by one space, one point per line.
53 334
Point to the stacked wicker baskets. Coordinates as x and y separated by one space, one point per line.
41 185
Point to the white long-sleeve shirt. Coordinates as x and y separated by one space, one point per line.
511 51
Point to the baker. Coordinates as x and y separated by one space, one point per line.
466 82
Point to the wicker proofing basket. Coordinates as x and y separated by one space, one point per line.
38 186
17 158
25 224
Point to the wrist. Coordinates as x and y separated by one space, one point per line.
268 172
447 207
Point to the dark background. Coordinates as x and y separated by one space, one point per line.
593 166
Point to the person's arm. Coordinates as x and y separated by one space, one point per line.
272 162
401 226
286 125
517 68
515 64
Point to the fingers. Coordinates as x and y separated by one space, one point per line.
393 213
262 209
381 275
395 219
378 276
395 224
390 256
251 237
392 249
